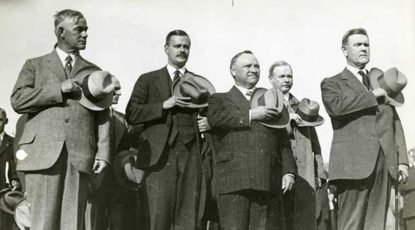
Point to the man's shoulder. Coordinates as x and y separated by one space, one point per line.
154 73
336 77
40 58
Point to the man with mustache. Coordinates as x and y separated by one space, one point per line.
254 164
367 136
63 142
169 144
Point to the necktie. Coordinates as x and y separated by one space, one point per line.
365 79
176 75
68 65
249 94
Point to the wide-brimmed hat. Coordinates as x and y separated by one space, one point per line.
9 200
194 86
97 90
118 167
22 214
392 81
308 111
272 98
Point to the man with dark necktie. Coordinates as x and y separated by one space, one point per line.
169 144
367 136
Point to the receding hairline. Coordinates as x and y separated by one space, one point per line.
278 64
351 32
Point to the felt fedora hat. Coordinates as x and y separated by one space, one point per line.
271 98
392 81
194 86
22 214
9 201
97 90
308 111
118 167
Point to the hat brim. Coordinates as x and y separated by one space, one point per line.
397 101
6 206
279 123
175 90
22 214
119 173
96 106
318 122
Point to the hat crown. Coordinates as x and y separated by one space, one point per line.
309 107
101 83
395 80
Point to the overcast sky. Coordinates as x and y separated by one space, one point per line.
127 37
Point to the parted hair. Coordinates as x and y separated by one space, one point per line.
60 16
353 32
175 33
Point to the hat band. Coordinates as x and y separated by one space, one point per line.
306 117
86 91
389 91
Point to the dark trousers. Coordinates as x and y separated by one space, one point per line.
172 189
57 196
250 210
363 203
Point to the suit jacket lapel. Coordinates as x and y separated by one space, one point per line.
5 143
238 99
163 83
55 65
351 80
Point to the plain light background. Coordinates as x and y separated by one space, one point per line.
126 37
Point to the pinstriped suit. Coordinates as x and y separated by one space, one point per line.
250 162
61 139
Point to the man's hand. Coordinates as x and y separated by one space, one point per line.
133 174
379 92
16 185
70 86
203 124
99 166
263 113
173 101
295 117
403 173
287 183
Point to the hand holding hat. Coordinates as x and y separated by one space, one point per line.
388 84
307 112
125 173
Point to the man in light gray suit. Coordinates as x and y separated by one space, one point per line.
63 142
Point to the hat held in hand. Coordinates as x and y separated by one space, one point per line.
196 87
97 90
392 81
308 111
271 98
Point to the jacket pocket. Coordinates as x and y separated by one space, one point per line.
27 138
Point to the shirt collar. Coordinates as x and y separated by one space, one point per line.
1 136
172 69
244 91
355 70
62 56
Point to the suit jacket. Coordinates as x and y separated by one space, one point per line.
146 107
54 121
408 192
6 156
361 126
249 155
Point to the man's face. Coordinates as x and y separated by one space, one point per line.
246 71
117 93
282 78
357 50
3 121
73 34
178 50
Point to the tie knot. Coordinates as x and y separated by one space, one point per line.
176 75
249 92
362 73
68 59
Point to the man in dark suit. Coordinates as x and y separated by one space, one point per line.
254 164
8 175
367 136
169 144
63 142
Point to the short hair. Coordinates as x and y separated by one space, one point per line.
276 64
60 16
353 32
235 58
175 33
2 111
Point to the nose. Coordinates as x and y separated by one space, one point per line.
84 34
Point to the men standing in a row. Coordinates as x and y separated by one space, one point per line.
63 142
253 162
300 204
170 141
367 136
8 175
